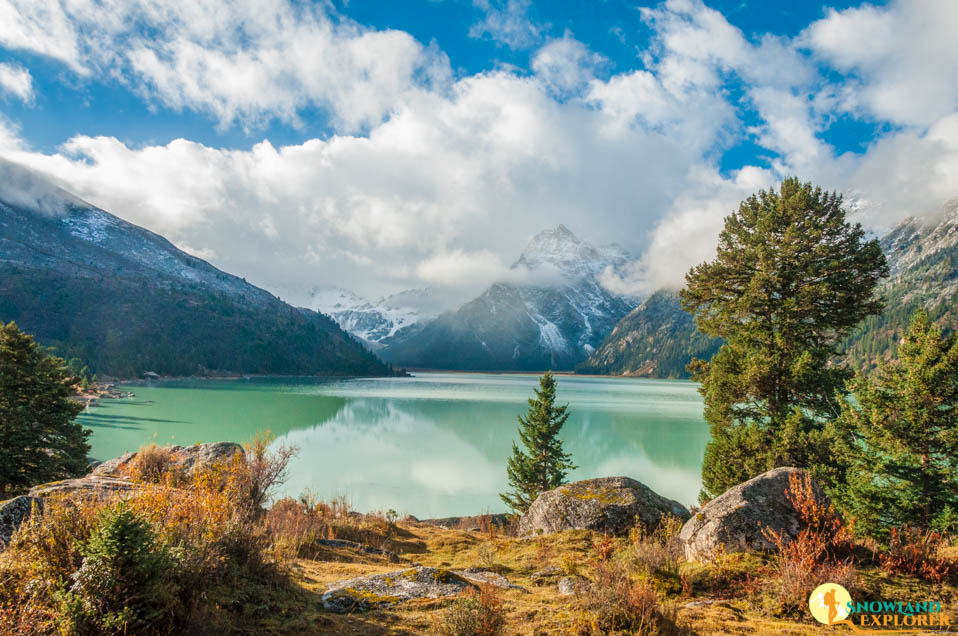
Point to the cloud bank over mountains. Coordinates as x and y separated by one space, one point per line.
432 176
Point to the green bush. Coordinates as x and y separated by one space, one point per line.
124 584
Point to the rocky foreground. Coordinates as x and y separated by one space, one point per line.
401 577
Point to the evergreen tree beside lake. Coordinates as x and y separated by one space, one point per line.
901 431
790 280
544 463
39 440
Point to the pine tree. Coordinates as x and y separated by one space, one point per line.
124 584
544 464
791 278
901 431
39 440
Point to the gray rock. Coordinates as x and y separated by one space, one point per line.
387 589
107 479
570 585
737 518
485 577
545 576
186 458
96 485
113 466
480 577
607 504
13 512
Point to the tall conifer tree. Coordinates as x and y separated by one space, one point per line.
901 431
39 441
544 463
791 278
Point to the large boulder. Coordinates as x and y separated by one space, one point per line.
735 521
14 512
185 458
95 485
607 504
381 590
109 478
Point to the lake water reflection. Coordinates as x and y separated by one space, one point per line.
431 445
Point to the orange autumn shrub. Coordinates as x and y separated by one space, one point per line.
208 522
475 613
917 553
820 553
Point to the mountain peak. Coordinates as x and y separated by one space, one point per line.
558 247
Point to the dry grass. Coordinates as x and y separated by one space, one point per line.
207 522
265 573
728 587
152 463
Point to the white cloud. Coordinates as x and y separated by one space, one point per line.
688 232
457 267
40 26
507 22
453 176
238 61
473 174
789 129
904 57
17 81
565 65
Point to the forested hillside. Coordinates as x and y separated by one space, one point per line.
656 339
125 301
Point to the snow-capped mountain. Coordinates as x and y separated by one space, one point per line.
374 322
553 318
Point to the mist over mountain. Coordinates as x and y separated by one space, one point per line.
552 316
376 322
125 300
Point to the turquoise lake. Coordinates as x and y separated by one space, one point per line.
432 445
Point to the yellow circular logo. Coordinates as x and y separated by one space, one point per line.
829 603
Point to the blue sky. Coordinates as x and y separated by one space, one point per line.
385 145
63 105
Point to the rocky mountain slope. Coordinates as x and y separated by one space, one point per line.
125 300
554 320
375 322
923 262
658 338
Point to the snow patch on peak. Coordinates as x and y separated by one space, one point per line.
373 321
560 251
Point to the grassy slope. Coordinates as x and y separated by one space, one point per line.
542 610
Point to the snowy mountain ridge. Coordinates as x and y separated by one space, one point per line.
373 321
555 320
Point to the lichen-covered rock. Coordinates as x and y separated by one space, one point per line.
379 590
14 512
96 485
607 504
736 519
185 458
485 577
570 585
